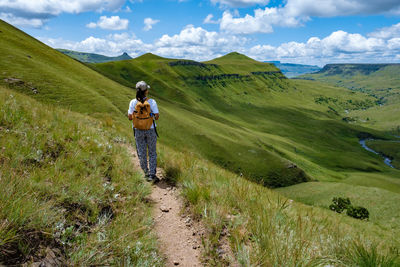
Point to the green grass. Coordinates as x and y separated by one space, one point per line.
267 229
381 203
389 148
67 182
258 116
244 117
379 81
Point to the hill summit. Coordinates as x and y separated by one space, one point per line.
234 56
149 56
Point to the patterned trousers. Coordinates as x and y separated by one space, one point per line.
146 141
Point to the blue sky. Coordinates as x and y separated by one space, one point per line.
297 31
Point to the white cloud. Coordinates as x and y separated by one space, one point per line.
148 23
240 3
39 11
191 43
330 8
339 46
199 44
295 12
110 23
262 21
387 32
112 45
209 20
24 22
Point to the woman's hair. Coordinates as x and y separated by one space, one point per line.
140 95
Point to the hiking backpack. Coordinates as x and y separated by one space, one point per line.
142 119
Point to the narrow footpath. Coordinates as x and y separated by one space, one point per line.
179 235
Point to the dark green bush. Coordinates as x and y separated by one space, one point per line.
340 204
358 212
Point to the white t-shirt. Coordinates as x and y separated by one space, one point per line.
153 107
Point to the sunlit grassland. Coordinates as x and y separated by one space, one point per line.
261 125
389 148
381 203
383 84
66 182
249 123
267 229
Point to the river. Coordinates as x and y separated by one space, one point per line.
387 160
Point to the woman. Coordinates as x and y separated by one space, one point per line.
142 111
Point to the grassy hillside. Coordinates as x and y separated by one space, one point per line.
33 68
263 113
382 81
389 148
240 114
93 58
300 121
266 229
71 191
67 189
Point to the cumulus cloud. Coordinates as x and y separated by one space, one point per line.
191 43
387 32
24 22
199 44
262 21
40 11
339 46
330 8
209 20
110 23
295 12
148 23
112 45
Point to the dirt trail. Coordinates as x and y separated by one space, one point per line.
179 235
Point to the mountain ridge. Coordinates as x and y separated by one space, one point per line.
92 57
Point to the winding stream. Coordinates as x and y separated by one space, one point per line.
387 160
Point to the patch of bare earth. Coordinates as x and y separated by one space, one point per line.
179 236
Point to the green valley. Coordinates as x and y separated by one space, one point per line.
230 129
380 81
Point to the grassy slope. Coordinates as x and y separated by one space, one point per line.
389 148
383 82
58 78
60 188
266 229
263 112
92 58
278 112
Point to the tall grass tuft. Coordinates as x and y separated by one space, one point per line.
267 229
67 183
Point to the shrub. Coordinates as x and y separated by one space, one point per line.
358 212
340 204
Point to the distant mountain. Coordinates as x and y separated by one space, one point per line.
93 58
292 70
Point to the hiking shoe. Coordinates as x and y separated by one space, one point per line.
154 178
148 178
